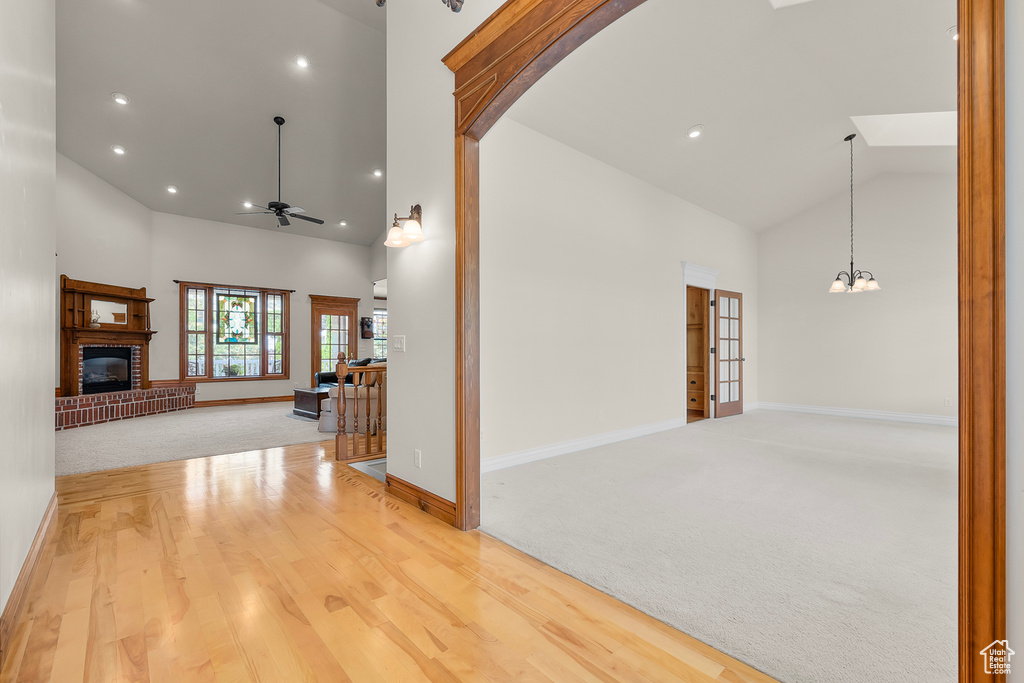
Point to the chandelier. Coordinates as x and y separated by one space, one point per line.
454 5
856 280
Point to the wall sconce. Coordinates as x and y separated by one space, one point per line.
403 236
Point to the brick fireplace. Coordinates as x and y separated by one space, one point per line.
97 316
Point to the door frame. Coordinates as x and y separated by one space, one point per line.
331 305
524 39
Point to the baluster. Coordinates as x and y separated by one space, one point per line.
342 438
357 381
369 384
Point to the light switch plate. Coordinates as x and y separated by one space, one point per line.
398 343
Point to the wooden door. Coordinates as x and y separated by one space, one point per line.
334 330
729 353
698 382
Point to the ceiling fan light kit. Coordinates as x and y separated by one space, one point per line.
278 208
855 281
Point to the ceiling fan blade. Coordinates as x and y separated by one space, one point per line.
308 218
251 213
283 220
294 210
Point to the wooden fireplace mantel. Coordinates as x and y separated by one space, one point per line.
76 297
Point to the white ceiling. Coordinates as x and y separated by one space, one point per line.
205 81
774 88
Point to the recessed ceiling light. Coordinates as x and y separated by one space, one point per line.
302 61
118 149
172 189
377 172
343 223
695 131
953 33
120 97
247 205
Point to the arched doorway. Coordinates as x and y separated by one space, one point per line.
524 39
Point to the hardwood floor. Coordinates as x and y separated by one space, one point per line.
284 565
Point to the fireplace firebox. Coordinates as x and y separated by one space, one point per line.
106 368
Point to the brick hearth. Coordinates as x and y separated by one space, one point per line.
90 409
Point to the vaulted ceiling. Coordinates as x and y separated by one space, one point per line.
774 83
773 87
205 80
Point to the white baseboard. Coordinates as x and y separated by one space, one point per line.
582 444
916 418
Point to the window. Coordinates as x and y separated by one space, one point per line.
231 333
380 333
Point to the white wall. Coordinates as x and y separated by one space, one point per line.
1015 333
581 294
105 236
205 251
27 292
893 350
102 233
421 278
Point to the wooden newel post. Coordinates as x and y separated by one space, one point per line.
341 440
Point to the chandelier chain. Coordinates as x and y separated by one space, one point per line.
851 202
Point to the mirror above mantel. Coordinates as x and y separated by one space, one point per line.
109 312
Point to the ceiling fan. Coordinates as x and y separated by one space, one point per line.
280 209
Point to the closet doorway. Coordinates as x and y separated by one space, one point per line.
698 358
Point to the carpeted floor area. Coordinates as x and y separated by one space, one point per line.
193 433
816 549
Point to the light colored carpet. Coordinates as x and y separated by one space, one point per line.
192 433
816 549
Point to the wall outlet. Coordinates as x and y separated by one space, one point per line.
398 343
417 457
198 388
948 403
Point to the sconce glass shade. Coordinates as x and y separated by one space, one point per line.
413 231
396 238
873 285
837 287
860 285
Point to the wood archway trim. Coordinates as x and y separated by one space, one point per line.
493 67
524 39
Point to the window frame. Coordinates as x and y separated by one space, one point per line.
210 290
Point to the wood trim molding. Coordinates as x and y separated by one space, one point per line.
524 39
982 576
243 401
16 602
432 504
171 383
